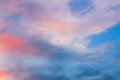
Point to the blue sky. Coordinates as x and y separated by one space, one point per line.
109 35
79 5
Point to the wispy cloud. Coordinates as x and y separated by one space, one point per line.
41 37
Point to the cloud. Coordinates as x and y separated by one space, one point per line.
14 44
43 39
66 29
55 70
4 74
57 24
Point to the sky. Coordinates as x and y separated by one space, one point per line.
59 40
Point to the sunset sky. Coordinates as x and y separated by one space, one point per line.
59 39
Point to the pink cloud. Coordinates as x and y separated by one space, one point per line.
11 43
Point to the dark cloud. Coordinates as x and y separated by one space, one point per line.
84 72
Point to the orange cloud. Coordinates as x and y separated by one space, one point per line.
5 74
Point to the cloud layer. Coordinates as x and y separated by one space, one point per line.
48 40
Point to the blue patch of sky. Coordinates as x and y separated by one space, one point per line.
78 5
110 35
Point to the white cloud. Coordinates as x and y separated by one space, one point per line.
57 24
